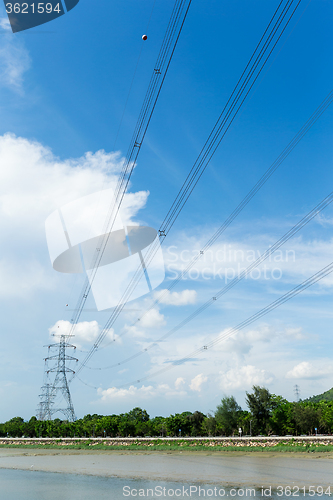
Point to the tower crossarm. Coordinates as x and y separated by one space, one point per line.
65 357
64 370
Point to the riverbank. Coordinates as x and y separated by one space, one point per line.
227 468
250 444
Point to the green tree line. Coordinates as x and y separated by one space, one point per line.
267 414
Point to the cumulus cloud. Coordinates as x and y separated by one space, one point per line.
176 298
307 370
132 391
197 382
179 383
135 332
143 392
244 378
152 319
243 341
14 60
292 262
18 280
33 183
85 331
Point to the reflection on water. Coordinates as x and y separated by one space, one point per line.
26 485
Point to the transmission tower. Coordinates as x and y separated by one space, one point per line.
44 408
59 386
297 392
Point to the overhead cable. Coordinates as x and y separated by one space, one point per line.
265 177
276 27
162 64
287 236
231 331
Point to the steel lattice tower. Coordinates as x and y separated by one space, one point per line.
44 410
59 386
297 392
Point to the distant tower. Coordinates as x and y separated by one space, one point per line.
297 392
44 409
59 386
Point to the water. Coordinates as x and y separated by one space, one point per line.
33 485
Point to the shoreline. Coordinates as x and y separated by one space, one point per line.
227 468
278 444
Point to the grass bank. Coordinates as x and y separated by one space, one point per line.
257 446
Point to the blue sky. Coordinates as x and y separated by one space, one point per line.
63 91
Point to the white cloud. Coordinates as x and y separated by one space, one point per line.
143 392
114 393
152 319
179 383
135 332
176 298
33 183
296 333
306 370
14 59
244 341
323 220
5 24
197 382
17 279
244 378
294 261
85 331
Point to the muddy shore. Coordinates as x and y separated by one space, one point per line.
241 469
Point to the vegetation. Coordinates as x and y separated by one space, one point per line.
267 415
326 396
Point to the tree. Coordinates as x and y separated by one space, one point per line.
307 417
226 415
30 427
261 403
157 427
196 420
282 417
138 415
126 427
14 427
326 415
179 424
209 426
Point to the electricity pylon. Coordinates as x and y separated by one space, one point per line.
51 390
44 409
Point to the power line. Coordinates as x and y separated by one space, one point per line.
171 37
287 236
259 58
249 76
164 58
265 177
132 81
224 336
